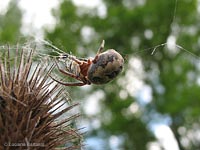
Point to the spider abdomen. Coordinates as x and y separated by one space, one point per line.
107 66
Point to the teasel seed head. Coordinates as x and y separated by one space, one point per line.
30 104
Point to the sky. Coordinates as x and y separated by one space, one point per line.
37 14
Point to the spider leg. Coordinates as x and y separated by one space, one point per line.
67 73
99 51
68 83
101 47
79 61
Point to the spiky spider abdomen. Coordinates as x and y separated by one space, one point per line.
106 67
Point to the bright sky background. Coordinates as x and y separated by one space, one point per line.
37 13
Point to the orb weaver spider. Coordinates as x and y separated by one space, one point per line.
101 69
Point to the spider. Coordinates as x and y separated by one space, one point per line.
101 69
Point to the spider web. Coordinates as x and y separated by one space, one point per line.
171 44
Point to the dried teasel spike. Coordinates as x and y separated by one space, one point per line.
28 100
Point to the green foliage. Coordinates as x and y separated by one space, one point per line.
175 88
133 130
68 27
10 24
171 73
